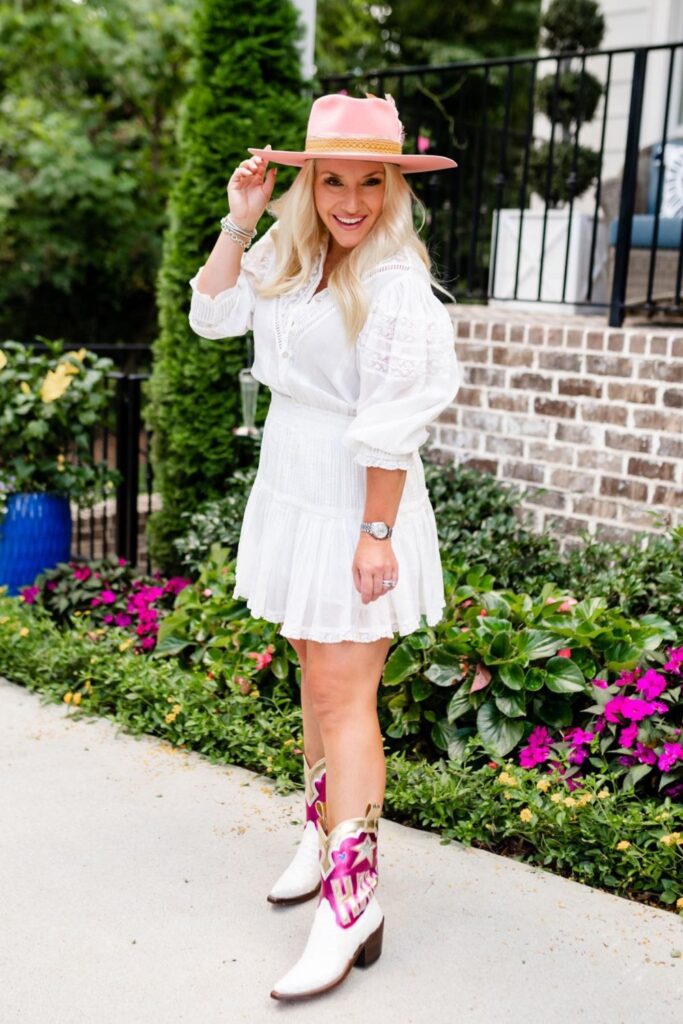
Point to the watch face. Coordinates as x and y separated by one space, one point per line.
380 529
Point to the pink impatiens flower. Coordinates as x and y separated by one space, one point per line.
631 708
675 659
537 749
628 735
566 652
651 684
671 752
107 597
82 573
261 659
30 594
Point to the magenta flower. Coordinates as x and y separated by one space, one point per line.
423 143
51 585
675 659
629 735
628 678
108 618
108 597
537 749
631 708
578 755
82 573
602 684
651 684
599 724
122 620
645 755
122 561
671 753
175 584
578 736
30 594
147 643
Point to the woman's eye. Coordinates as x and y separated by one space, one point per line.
373 181
332 181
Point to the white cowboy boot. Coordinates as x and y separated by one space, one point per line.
348 924
301 879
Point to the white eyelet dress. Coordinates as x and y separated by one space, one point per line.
335 409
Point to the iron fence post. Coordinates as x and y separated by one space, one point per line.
627 198
128 434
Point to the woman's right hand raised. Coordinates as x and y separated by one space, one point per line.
249 191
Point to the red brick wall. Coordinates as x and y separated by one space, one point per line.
589 419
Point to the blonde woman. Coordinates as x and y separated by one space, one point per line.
338 542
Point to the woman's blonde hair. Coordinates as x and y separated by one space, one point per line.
300 232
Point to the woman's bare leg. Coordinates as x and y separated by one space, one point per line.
313 744
341 682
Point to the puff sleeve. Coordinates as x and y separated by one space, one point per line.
409 372
231 312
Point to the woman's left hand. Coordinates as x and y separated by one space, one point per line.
373 562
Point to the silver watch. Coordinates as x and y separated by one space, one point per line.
377 529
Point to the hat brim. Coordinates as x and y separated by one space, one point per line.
410 163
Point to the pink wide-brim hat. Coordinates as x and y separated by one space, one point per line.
356 129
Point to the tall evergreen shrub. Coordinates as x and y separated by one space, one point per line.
246 90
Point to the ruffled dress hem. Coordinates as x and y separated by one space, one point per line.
337 636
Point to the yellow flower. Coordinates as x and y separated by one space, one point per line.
507 794
23 631
93 660
556 797
55 384
623 844
569 801
68 696
585 798
176 708
170 717
25 388
3 360
603 794
254 693
543 785
125 644
672 839
506 779
87 686
525 814
76 698
679 903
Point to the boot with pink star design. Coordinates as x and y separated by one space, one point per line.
348 924
301 878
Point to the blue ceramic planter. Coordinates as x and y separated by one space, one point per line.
35 534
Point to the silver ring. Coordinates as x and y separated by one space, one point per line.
388 583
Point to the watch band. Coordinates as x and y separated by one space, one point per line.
377 529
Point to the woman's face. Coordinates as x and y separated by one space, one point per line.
349 195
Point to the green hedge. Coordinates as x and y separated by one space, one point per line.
246 91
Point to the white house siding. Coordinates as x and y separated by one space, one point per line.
630 25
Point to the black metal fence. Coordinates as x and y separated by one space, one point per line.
569 187
112 525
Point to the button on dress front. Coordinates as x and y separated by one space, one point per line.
337 408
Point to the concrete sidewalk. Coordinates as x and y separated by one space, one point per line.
133 879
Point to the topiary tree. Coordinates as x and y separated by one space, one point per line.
568 98
247 90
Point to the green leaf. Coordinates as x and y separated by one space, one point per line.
401 664
512 675
420 689
458 705
563 676
511 705
538 643
498 731
444 675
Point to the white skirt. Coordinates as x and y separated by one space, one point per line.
301 528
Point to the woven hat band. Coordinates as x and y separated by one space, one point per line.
317 145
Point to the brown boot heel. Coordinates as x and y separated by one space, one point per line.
371 949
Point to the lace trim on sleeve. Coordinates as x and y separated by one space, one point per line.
384 460
405 347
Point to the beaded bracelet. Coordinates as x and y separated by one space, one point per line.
237 234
